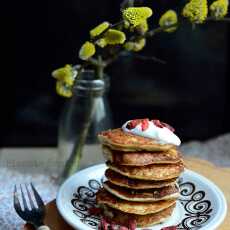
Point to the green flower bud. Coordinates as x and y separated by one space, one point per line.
99 29
219 9
63 89
114 37
65 74
169 18
196 11
87 51
136 15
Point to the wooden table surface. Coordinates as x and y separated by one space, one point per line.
218 175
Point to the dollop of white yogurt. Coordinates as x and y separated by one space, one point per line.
161 135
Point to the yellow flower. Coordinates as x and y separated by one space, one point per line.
142 28
219 9
65 74
114 37
99 29
135 46
101 42
196 11
87 51
139 45
63 89
136 15
169 18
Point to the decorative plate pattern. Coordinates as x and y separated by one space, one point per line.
197 208
201 205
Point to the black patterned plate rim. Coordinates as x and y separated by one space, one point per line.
201 211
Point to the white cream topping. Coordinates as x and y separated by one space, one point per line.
161 135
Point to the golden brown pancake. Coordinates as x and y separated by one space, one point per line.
119 140
140 208
126 182
147 195
123 219
171 156
149 172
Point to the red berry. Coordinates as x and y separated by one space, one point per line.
104 224
158 123
132 124
168 126
123 228
112 226
144 124
132 224
169 228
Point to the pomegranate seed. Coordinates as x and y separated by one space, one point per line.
169 228
132 224
112 226
144 124
132 124
123 228
168 126
104 224
158 123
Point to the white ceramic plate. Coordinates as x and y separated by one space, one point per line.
201 205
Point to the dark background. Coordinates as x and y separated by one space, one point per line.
191 91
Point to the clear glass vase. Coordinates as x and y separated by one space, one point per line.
86 114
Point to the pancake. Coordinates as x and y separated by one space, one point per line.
119 140
147 195
140 208
171 156
148 220
126 182
149 172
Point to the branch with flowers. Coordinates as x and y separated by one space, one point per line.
129 35
109 41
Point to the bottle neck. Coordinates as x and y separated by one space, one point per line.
87 85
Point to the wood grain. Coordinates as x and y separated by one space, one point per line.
220 176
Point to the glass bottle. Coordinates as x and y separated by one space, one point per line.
84 116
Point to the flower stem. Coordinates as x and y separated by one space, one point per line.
155 59
126 3
116 24
100 68
73 163
158 30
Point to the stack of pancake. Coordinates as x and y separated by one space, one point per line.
141 179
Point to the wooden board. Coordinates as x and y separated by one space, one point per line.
218 175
